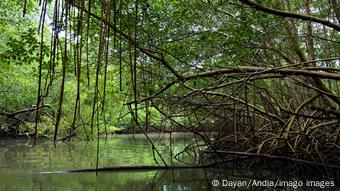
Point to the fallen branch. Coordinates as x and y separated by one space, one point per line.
128 169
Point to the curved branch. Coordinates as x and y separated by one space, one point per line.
291 15
266 70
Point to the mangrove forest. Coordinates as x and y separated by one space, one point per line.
169 95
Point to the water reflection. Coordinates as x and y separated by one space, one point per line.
20 164
180 180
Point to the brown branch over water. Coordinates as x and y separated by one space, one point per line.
266 70
252 70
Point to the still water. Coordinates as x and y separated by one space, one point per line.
20 164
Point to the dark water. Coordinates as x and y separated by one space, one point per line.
20 164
